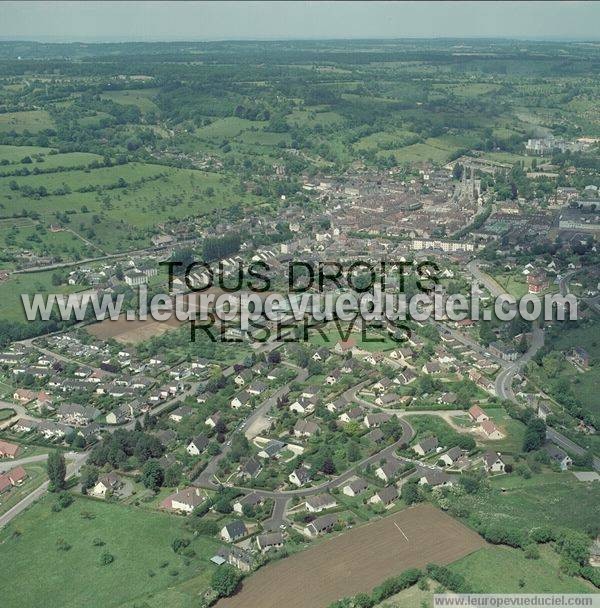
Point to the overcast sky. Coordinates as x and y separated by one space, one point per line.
111 21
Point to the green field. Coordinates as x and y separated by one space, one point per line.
142 98
498 569
112 218
554 499
139 541
11 306
32 121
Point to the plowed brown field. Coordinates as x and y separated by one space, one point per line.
357 560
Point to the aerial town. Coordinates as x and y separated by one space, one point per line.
176 468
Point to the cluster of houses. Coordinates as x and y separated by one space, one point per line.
486 425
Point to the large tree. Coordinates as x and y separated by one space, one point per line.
153 475
57 471
535 435
225 580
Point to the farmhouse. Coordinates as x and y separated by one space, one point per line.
14 477
356 487
233 531
385 496
320 502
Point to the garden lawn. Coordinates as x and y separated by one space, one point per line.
33 567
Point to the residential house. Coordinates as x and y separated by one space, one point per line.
491 430
376 436
213 420
197 445
406 377
24 395
300 477
386 496
543 410
322 354
336 406
77 415
108 483
271 449
435 478
356 414
257 388
451 456
425 446
320 502
477 414
389 470
356 487
250 469
580 357
180 413
375 420
387 400
233 531
269 540
243 399
237 557
305 428
304 405
558 456
8 450
493 463
184 501
244 377
321 525
251 500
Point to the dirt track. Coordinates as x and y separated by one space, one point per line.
357 560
